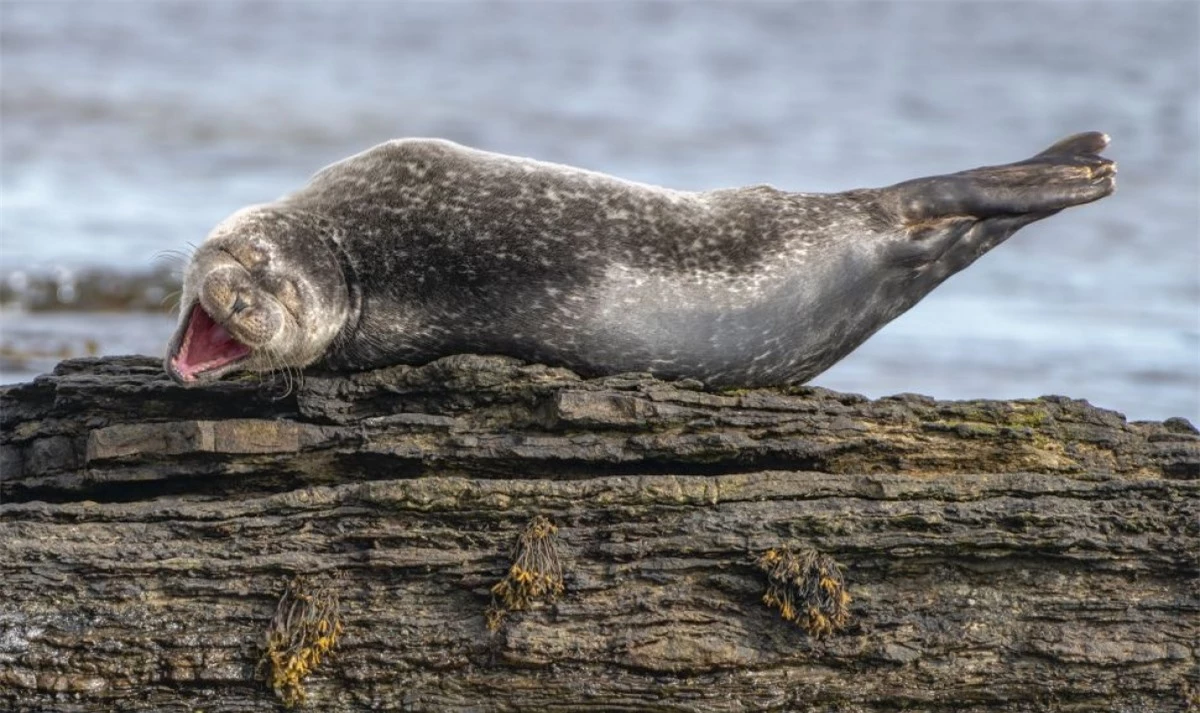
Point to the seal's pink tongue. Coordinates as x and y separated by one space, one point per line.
206 345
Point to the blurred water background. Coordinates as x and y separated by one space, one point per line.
130 128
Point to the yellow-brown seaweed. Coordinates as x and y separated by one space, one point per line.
807 588
535 573
304 630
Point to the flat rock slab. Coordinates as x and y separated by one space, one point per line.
1021 555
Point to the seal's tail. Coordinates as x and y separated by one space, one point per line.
1071 172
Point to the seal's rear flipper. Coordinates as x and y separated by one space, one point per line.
1069 173
1089 142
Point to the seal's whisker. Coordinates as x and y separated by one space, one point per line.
171 300
175 261
277 368
173 257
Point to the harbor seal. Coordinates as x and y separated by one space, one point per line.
420 248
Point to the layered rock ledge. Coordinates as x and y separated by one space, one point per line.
1002 556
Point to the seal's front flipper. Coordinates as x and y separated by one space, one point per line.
1069 173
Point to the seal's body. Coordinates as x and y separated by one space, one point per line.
417 249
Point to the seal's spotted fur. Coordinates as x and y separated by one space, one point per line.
418 248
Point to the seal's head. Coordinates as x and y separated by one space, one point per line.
264 291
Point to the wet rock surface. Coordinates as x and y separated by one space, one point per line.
1023 555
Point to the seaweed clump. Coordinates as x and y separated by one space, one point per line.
535 573
807 588
305 628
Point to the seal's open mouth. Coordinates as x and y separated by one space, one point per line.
206 346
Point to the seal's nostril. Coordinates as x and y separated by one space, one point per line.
239 304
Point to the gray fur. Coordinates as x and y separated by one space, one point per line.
447 249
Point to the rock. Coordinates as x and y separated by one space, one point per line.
1019 555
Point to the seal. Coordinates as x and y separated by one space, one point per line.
421 248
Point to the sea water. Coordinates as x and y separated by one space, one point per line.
131 128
